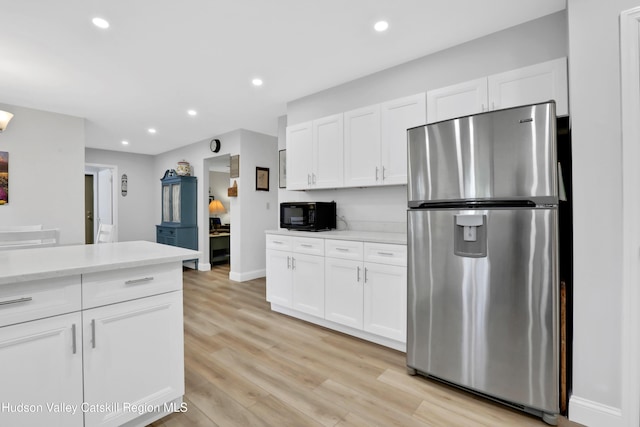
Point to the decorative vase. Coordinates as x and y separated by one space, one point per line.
183 169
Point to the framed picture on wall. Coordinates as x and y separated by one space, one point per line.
262 179
282 173
234 166
4 177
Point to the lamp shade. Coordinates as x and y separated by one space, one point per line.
215 207
5 117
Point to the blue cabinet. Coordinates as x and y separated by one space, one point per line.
179 212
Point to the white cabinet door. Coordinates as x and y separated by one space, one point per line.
396 117
299 156
458 100
133 354
362 147
308 284
343 291
529 85
279 280
385 300
328 137
42 366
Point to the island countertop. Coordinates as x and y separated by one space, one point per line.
21 265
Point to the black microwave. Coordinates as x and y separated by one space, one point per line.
310 216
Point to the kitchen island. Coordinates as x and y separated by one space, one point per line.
91 335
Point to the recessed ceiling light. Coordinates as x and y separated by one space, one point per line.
125 142
256 82
192 112
100 23
381 26
151 130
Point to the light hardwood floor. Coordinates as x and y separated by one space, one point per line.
248 366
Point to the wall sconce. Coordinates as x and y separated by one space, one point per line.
5 118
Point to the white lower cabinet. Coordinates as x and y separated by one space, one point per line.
295 273
308 283
385 300
360 285
67 361
279 278
343 292
41 372
133 358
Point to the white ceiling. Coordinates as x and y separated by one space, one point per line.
160 58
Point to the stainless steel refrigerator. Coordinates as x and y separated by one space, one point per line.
483 255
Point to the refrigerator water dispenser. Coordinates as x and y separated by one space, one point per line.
470 235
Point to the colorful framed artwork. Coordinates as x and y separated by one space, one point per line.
4 178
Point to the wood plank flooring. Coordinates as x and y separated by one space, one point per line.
248 366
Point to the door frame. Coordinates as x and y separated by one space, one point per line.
93 169
630 111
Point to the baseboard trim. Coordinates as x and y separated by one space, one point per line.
396 345
204 266
249 275
594 414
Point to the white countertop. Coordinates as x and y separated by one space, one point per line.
42 263
360 236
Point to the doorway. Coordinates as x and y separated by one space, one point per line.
104 194
219 212
88 209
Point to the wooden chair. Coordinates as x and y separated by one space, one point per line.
27 236
105 233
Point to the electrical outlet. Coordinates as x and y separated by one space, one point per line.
267 205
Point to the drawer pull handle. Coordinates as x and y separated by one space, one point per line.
16 301
277 242
386 253
365 275
288 263
137 281
304 245
93 333
342 249
73 338
358 275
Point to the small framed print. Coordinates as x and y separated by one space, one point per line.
262 179
234 166
282 175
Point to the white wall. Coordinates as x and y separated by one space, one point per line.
46 171
594 76
384 208
258 210
219 183
137 211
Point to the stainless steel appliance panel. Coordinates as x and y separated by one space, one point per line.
487 320
502 155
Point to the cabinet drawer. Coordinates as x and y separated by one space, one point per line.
21 302
311 246
278 242
343 249
108 287
384 253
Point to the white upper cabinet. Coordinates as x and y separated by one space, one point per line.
314 154
375 141
328 137
362 146
538 83
528 85
396 117
299 156
458 100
